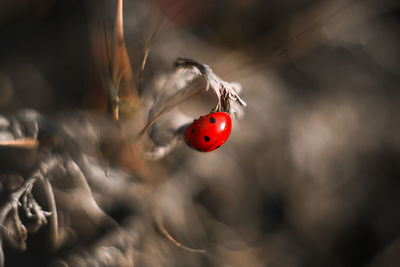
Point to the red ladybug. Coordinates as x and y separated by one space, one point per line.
209 132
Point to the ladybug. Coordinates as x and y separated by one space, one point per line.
209 132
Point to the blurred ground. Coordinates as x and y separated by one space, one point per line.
309 176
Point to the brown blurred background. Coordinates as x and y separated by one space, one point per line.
310 174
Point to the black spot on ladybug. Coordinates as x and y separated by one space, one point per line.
206 138
218 146
212 119
192 130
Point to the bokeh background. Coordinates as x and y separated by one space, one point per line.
310 174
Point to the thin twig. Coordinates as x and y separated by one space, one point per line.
53 218
160 226
146 52
173 101
22 142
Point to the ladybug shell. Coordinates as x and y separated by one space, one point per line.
209 132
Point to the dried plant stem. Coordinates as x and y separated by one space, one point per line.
119 29
160 226
122 87
146 52
173 101
167 235
22 142
53 219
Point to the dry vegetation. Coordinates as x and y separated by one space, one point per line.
309 176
